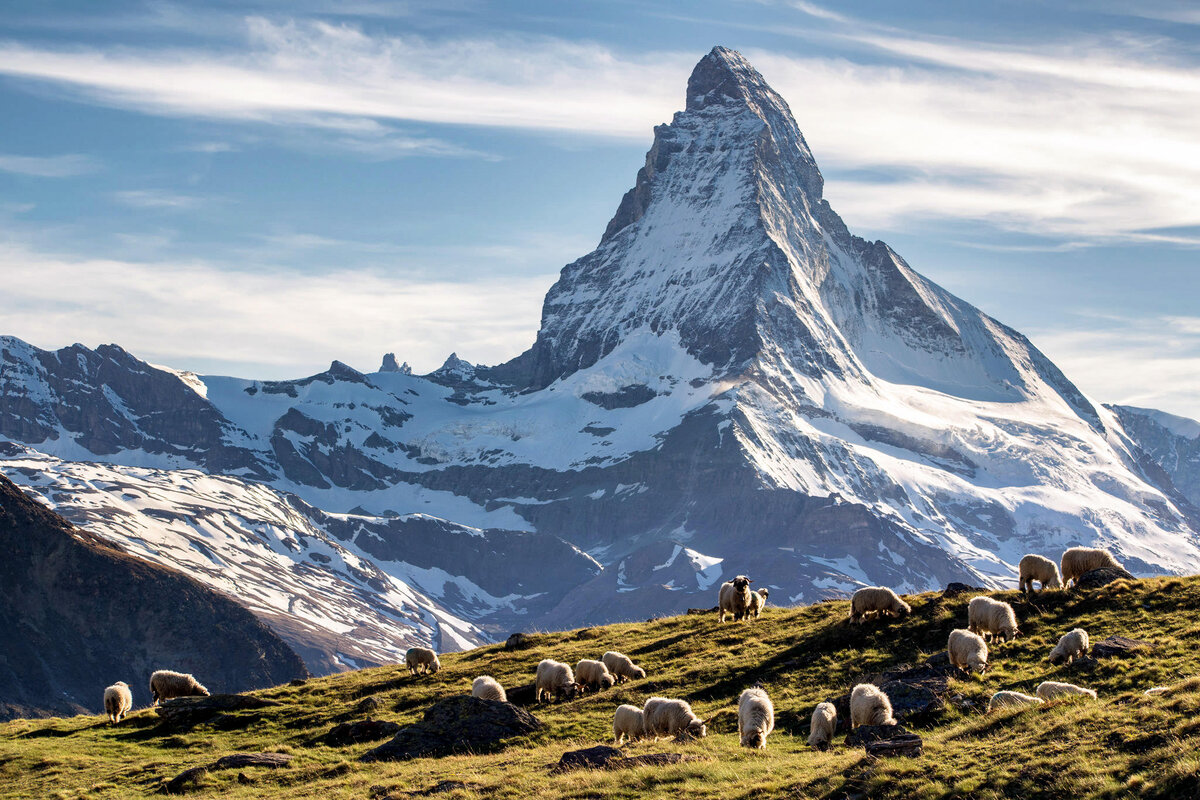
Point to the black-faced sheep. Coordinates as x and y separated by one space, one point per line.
622 667
1010 699
593 675
967 651
665 718
1037 568
1079 560
554 681
1051 690
823 726
421 659
165 684
989 617
756 718
628 723
485 687
870 706
879 600
758 600
734 598
1071 646
118 701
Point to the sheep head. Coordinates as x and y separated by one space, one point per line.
742 583
696 729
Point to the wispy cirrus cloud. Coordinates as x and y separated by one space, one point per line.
158 199
60 166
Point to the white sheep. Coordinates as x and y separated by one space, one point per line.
734 598
485 687
421 659
628 723
593 675
1010 699
989 617
823 726
758 600
622 667
1079 560
1071 646
967 650
554 680
870 706
879 600
165 684
756 718
665 718
1037 568
1051 690
118 701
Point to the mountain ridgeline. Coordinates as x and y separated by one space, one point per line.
731 382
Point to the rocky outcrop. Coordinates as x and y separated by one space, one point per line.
457 725
82 614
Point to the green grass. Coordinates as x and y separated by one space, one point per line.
1124 745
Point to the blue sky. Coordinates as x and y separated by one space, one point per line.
259 188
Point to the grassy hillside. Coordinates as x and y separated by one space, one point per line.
1124 745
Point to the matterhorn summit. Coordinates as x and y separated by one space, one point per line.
731 382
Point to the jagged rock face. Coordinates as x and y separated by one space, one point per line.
82 615
730 383
1172 442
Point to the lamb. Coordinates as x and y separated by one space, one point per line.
870 706
593 675
757 601
622 667
1079 560
991 617
422 659
1010 699
628 723
118 701
967 651
823 726
554 680
756 718
734 598
485 687
1051 690
878 600
1071 646
666 718
1037 568
165 684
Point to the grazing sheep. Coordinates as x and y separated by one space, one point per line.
734 598
485 687
1009 699
165 684
118 701
757 601
1071 646
878 600
967 650
554 680
1037 568
1052 690
756 718
989 617
1079 560
622 667
823 725
628 723
593 675
423 659
666 718
870 706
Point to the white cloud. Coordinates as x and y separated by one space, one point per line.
157 198
271 324
64 166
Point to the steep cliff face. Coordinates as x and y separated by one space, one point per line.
730 382
82 614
